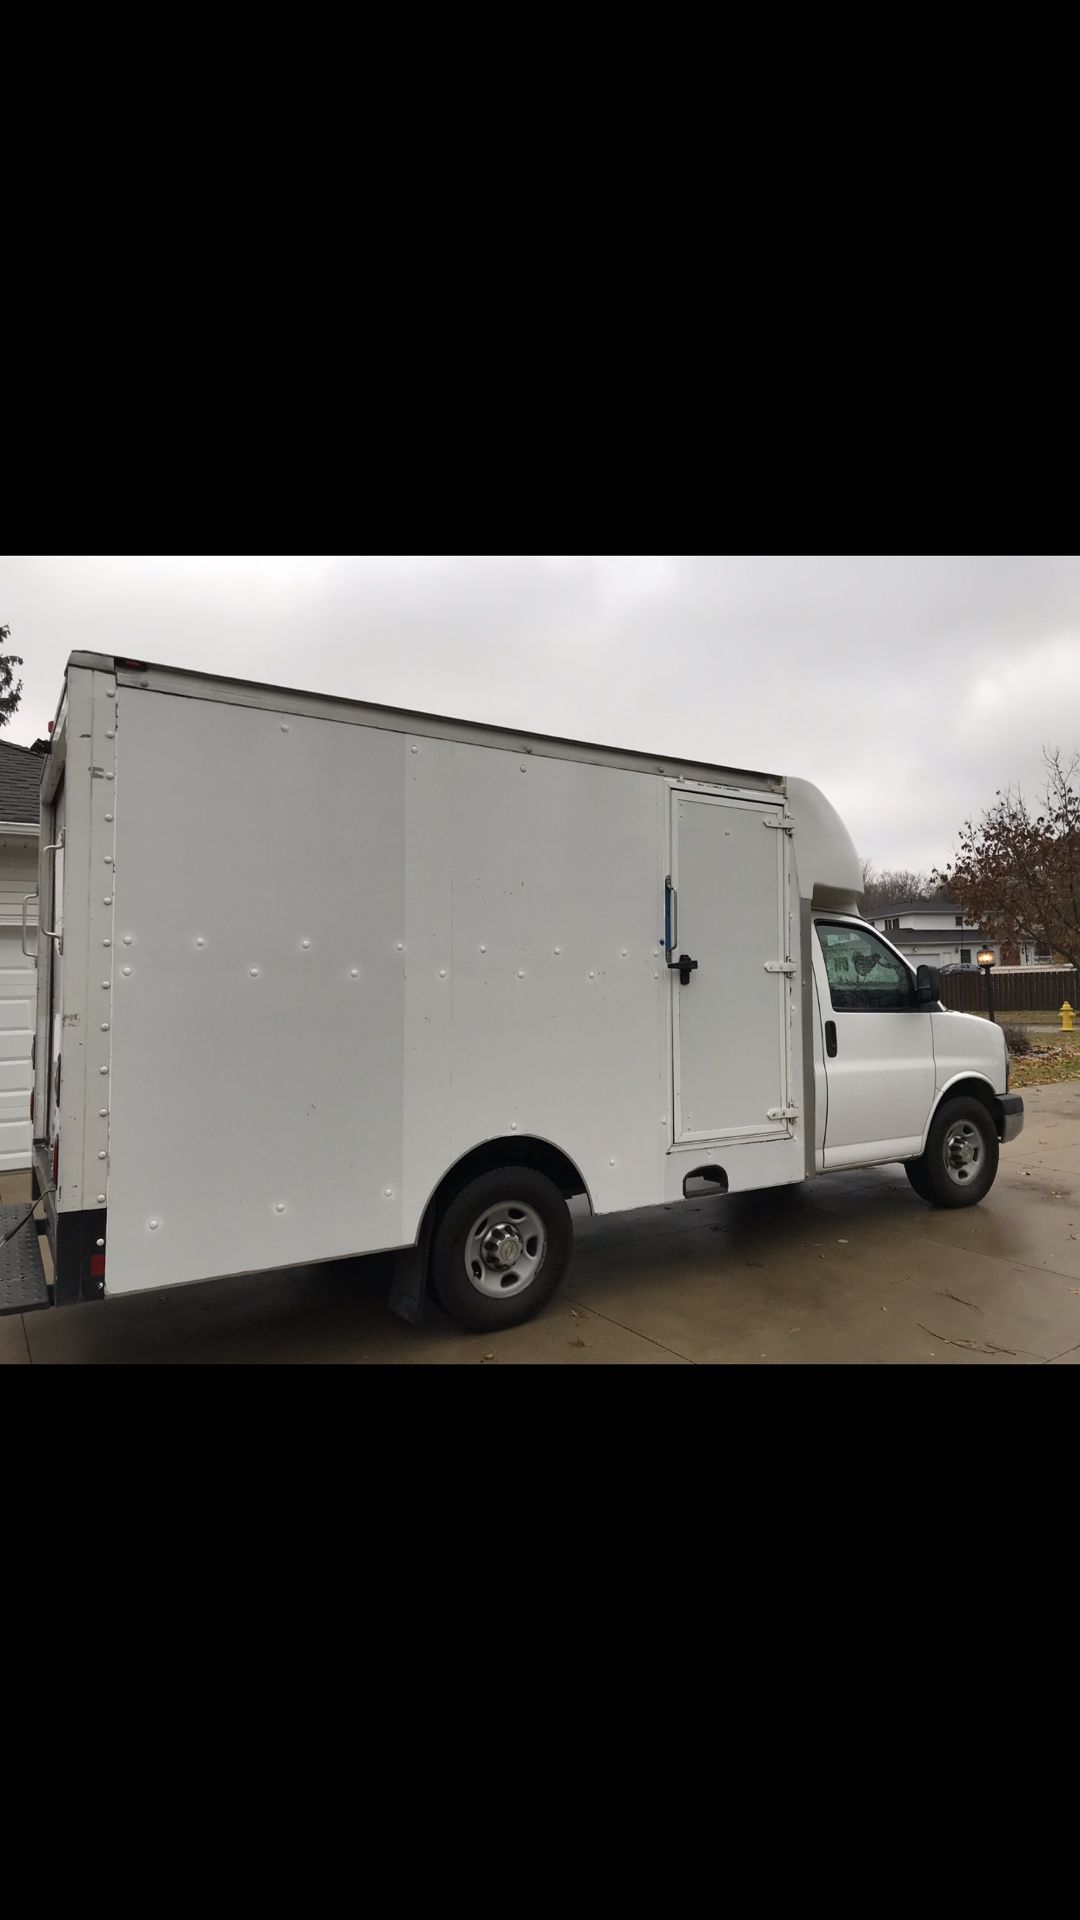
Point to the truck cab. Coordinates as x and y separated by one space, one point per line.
889 1058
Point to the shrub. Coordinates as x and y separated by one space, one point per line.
1017 1039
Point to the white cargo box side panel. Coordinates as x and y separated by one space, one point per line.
481 960
256 1088
537 994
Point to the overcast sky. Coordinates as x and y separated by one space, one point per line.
907 688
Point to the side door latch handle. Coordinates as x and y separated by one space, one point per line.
686 967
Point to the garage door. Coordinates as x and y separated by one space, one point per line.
18 988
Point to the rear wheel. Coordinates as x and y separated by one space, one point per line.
500 1249
960 1163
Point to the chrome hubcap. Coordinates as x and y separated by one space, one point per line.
504 1248
963 1152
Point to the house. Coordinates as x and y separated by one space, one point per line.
935 931
20 779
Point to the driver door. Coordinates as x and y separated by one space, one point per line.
879 1049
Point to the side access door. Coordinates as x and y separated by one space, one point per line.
727 920
879 1048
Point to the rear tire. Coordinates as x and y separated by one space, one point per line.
500 1249
960 1163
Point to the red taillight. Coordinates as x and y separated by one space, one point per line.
56 1161
97 1266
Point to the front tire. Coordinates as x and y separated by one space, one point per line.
500 1249
960 1163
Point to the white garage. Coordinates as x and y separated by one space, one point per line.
20 774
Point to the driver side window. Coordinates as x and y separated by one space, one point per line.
864 975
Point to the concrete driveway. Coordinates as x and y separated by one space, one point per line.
851 1267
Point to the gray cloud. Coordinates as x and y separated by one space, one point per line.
908 688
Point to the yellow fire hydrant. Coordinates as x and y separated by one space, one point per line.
1066 1017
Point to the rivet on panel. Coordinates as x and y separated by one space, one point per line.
401 946
483 949
154 1224
354 973
107 902
592 976
624 953
108 816
558 949
199 941
414 749
284 726
611 1163
101 1243
521 973
110 776
103 1113
254 973
127 939
279 1206
103 1069
106 943
102 1156
389 1192
513 1126
101 1203
108 859
442 973
105 984
104 1026
127 973
524 769
109 734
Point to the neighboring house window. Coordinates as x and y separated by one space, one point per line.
965 956
891 926
1043 956
959 919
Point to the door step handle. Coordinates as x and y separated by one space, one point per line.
686 967
830 1038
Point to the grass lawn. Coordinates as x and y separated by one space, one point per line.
1040 1018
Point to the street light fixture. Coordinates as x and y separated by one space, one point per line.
985 958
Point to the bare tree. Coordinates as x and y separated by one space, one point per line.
10 688
893 887
1017 872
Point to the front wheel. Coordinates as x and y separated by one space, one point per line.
500 1249
960 1163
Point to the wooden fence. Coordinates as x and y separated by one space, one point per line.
1016 990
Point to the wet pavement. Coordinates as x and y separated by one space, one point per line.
851 1267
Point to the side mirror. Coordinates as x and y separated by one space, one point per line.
928 985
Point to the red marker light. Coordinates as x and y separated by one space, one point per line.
97 1266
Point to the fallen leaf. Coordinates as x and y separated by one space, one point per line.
489 1356
575 1343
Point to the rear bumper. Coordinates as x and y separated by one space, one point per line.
1012 1116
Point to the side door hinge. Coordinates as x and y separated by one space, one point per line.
783 1113
780 966
783 822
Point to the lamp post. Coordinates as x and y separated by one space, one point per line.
985 958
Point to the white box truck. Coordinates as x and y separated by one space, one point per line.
320 979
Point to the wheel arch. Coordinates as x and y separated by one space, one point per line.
972 1086
509 1150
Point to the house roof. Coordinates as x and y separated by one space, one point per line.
938 905
20 782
